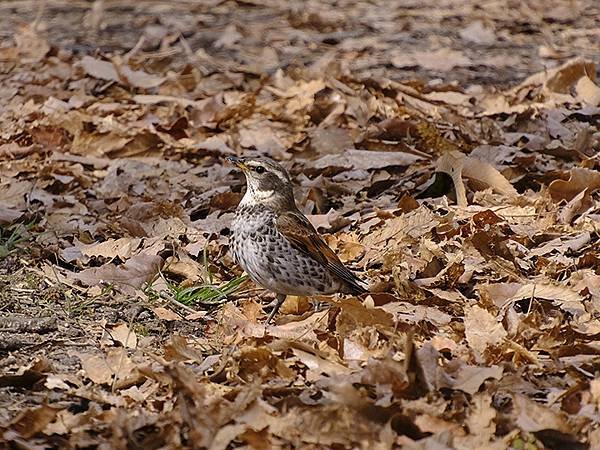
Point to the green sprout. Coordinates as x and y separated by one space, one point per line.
206 294
12 236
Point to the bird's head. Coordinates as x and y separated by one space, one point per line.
268 183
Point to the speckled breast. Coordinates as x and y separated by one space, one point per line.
270 260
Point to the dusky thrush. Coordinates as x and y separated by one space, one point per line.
276 244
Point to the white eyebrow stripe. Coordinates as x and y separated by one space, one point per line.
281 176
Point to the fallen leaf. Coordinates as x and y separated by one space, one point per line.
122 248
452 163
365 160
531 416
482 171
101 369
482 329
588 92
565 297
120 333
166 314
8 215
470 378
129 276
31 421
579 180
106 70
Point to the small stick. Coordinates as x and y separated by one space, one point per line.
170 298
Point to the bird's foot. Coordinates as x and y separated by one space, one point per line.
320 306
278 302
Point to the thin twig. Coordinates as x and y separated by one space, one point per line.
167 296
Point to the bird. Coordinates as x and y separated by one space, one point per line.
276 244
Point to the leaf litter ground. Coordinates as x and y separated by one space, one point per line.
448 151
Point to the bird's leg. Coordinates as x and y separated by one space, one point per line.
280 300
318 303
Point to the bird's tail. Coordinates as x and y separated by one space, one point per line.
356 286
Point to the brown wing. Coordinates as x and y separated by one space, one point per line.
302 235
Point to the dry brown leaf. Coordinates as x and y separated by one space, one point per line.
457 165
555 84
449 97
185 267
122 248
346 246
120 333
470 378
565 297
354 313
588 92
531 416
561 79
317 365
563 244
330 140
155 99
128 276
106 70
452 163
97 68
485 173
102 368
579 180
9 215
166 314
98 144
577 205
31 421
481 420
294 305
263 138
482 329
301 94
365 160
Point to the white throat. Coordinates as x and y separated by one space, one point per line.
255 197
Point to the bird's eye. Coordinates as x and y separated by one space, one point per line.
259 169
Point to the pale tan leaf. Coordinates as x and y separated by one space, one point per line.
120 333
365 159
587 91
532 416
166 314
484 172
482 329
470 378
565 297
451 163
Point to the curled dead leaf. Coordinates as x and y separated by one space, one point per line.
579 180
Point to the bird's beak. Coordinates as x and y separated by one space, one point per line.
237 161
